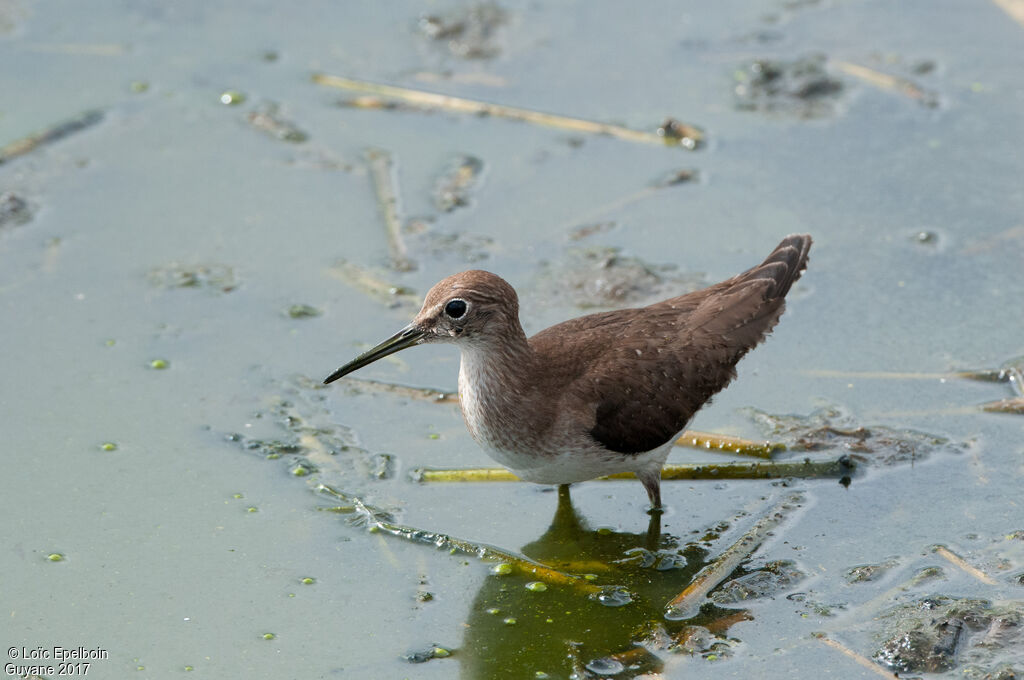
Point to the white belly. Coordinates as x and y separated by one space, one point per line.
556 456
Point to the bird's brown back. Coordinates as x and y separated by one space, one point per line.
637 376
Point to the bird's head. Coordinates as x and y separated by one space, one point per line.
470 308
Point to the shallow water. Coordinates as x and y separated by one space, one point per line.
164 567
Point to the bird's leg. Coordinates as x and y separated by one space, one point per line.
651 479
654 530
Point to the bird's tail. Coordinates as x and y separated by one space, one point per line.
782 267
745 308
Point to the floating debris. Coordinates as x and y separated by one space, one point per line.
1008 238
1011 372
676 132
890 83
806 468
315 158
232 98
769 581
303 312
433 651
385 184
267 119
49 135
374 285
957 561
466 247
470 33
940 633
842 467
517 563
687 603
11 16
431 100
312 444
216 277
926 237
373 102
14 210
457 183
359 385
605 666
1015 406
865 573
587 230
1015 10
677 177
591 221
604 278
828 428
859 658
78 49
801 88
659 560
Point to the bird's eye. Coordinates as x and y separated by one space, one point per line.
455 309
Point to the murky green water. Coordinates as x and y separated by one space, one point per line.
181 229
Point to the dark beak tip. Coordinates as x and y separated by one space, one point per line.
407 337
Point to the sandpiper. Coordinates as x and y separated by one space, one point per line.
599 394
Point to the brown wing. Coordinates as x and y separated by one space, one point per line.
667 360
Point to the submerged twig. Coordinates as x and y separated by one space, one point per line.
859 658
1015 8
382 171
728 444
463 475
1011 237
806 468
378 521
675 178
888 82
961 563
51 134
1010 372
886 375
686 136
267 119
1015 405
80 49
687 603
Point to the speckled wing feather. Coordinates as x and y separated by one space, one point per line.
688 345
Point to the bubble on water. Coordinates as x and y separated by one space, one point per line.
605 666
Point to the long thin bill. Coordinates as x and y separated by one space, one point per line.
407 337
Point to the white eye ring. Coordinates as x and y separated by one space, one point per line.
456 308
